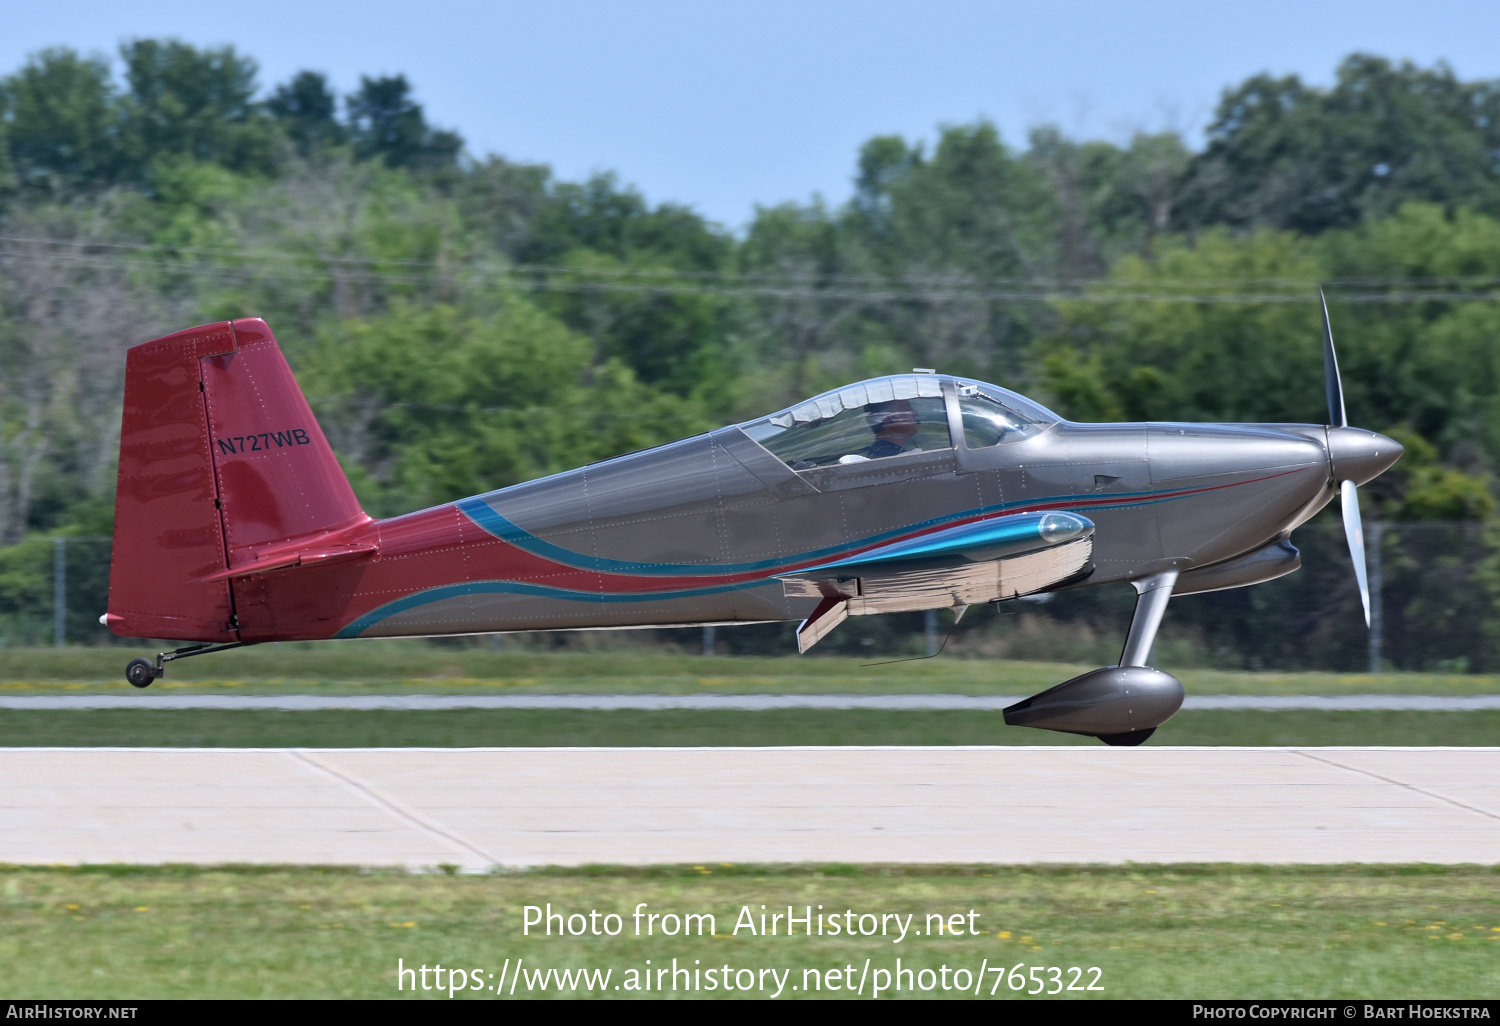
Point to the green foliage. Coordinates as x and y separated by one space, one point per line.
602 216
970 204
1287 155
1135 345
658 323
1430 364
1078 384
1420 488
386 123
1146 358
26 589
440 402
60 122
186 102
26 581
1139 189
68 126
308 112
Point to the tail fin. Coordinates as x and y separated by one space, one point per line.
221 464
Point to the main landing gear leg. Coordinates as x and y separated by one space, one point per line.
141 672
1152 594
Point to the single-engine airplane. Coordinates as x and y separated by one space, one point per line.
234 524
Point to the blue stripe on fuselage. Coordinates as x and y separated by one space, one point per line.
482 514
447 591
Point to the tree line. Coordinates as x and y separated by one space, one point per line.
461 322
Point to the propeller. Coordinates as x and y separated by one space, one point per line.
1354 531
1331 383
1348 493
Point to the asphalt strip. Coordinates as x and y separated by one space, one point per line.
728 703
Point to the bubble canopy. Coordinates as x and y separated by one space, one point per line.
894 416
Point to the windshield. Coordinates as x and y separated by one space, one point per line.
990 421
871 420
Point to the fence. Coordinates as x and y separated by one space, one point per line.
52 591
1435 590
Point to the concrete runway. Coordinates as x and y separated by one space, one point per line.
523 807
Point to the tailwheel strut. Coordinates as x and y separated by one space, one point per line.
142 672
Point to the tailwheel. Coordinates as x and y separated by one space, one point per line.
140 672
1129 739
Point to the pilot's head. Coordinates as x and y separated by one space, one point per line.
893 421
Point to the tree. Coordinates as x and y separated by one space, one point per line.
186 102
503 200
1182 336
796 262
386 123
1225 327
430 405
957 235
640 281
61 122
1286 155
1430 364
601 215
307 111
65 321
1143 189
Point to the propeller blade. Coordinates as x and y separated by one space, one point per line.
1332 385
1355 532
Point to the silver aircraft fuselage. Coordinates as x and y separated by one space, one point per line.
708 529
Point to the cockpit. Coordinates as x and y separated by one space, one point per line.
883 418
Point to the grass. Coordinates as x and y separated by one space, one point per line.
548 727
403 667
376 667
1156 932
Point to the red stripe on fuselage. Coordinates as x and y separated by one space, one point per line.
442 546
490 558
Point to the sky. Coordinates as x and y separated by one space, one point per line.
723 105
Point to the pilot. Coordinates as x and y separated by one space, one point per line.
895 425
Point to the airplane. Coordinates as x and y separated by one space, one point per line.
235 525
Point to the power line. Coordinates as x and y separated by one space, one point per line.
850 288
273 257
368 403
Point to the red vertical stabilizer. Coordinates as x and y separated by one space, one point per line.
278 479
222 469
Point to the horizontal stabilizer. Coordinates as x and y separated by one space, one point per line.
272 562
